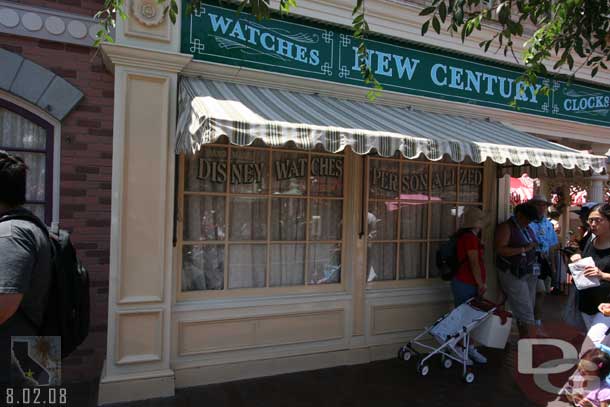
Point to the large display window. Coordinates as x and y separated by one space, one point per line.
260 218
412 207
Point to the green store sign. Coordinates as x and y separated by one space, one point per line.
218 34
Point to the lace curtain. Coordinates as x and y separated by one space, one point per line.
266 228
27 140
412 208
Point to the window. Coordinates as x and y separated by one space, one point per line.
29 137
413 206
260 218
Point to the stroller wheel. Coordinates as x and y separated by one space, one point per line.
423 370
469 377
447 363
402 352
406 355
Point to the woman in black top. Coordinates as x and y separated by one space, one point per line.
589 299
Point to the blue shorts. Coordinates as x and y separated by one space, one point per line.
462 292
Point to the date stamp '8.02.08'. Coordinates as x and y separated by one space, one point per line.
34 373
34 396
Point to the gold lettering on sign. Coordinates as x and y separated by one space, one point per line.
246 173
286 169
213 170
385 180
415 183
471 176
448 178
326 167
437 181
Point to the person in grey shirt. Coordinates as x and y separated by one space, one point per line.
25 263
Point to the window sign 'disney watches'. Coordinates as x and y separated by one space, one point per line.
292 46
252 172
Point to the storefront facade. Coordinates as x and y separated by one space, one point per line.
267 219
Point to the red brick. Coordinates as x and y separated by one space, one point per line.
51 45
87 170
89 123
78 49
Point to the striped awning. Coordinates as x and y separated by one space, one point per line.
243 113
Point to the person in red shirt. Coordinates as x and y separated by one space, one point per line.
470 279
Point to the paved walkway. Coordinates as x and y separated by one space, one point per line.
384 383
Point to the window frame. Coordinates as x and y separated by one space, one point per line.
267 290
49 151
427 241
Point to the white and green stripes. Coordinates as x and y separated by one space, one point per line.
210 109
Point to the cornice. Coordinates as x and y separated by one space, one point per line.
133 57
47 24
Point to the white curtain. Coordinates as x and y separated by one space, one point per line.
17 132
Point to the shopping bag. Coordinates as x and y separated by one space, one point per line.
493 332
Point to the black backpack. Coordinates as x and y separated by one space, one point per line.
447 260
67 311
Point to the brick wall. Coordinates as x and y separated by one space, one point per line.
86 167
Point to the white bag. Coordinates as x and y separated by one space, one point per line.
578 272
492 333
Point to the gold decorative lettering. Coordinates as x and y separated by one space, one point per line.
405 183
436 181
221 170
236 174
394 182
204 169
338 168
212 170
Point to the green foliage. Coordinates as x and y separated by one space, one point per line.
566 29
361 28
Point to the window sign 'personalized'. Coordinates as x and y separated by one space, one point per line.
291 46
419 183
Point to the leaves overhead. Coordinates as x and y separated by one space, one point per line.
566 29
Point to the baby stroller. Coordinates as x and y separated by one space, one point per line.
449 330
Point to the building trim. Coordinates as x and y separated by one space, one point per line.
37 85
47 24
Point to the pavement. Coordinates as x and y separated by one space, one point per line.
381 383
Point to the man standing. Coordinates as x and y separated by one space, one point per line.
518 267
549 243
25 258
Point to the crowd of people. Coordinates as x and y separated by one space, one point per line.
531 263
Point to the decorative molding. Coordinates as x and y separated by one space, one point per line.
148 21
144 59
47 24
148 12
262 331
144 324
